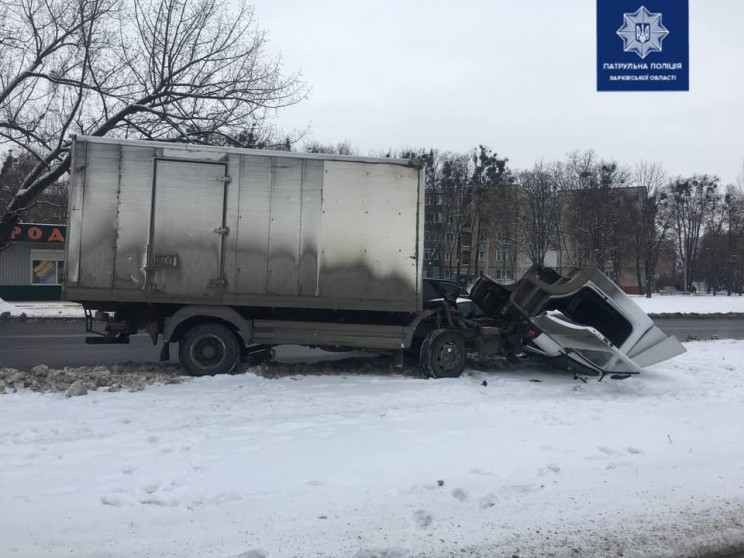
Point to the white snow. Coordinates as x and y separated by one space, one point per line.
7 307
690 304
383 465
43 309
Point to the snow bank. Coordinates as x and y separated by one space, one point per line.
48 309
527 463
79 381
9 308
690 304
42 309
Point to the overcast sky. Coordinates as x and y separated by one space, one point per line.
518 76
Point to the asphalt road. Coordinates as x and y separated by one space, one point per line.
62 343
703 327
58 343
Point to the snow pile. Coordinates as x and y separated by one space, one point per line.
527 463
79 381
7 310
76 381
47 309
690 304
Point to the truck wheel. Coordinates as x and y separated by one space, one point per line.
208 349
443 354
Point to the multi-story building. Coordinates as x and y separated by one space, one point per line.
472 231
475 230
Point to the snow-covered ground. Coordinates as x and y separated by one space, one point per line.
42 309
690 304
525 463
658 304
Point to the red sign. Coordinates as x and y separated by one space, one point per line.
27 232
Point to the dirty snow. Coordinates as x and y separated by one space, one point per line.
526 463
76 381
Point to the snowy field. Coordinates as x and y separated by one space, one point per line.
529 463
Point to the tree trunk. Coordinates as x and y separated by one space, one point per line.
9 220
638 275
650 278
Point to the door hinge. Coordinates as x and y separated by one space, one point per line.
224 231
224 179
220 282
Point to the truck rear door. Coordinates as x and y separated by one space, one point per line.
187 229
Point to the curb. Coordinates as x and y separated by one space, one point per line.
25 318
696 316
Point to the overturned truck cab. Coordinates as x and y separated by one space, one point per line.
581 320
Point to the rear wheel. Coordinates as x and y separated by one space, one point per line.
208 349
443 354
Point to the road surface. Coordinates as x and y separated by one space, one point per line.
62 343
58 343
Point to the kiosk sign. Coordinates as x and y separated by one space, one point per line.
643 45
52 234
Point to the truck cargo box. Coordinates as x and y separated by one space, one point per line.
161 222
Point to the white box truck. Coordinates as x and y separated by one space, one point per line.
229 252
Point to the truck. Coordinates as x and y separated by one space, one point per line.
229 252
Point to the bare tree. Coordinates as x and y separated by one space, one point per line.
49 207
590 220
734 204
341 148
47 48
650 222
713 251
170 69
537 224
722 243
691 201
489 205
454 177
463 205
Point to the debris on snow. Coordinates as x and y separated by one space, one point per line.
423 519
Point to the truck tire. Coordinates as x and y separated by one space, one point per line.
443 354
207 349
